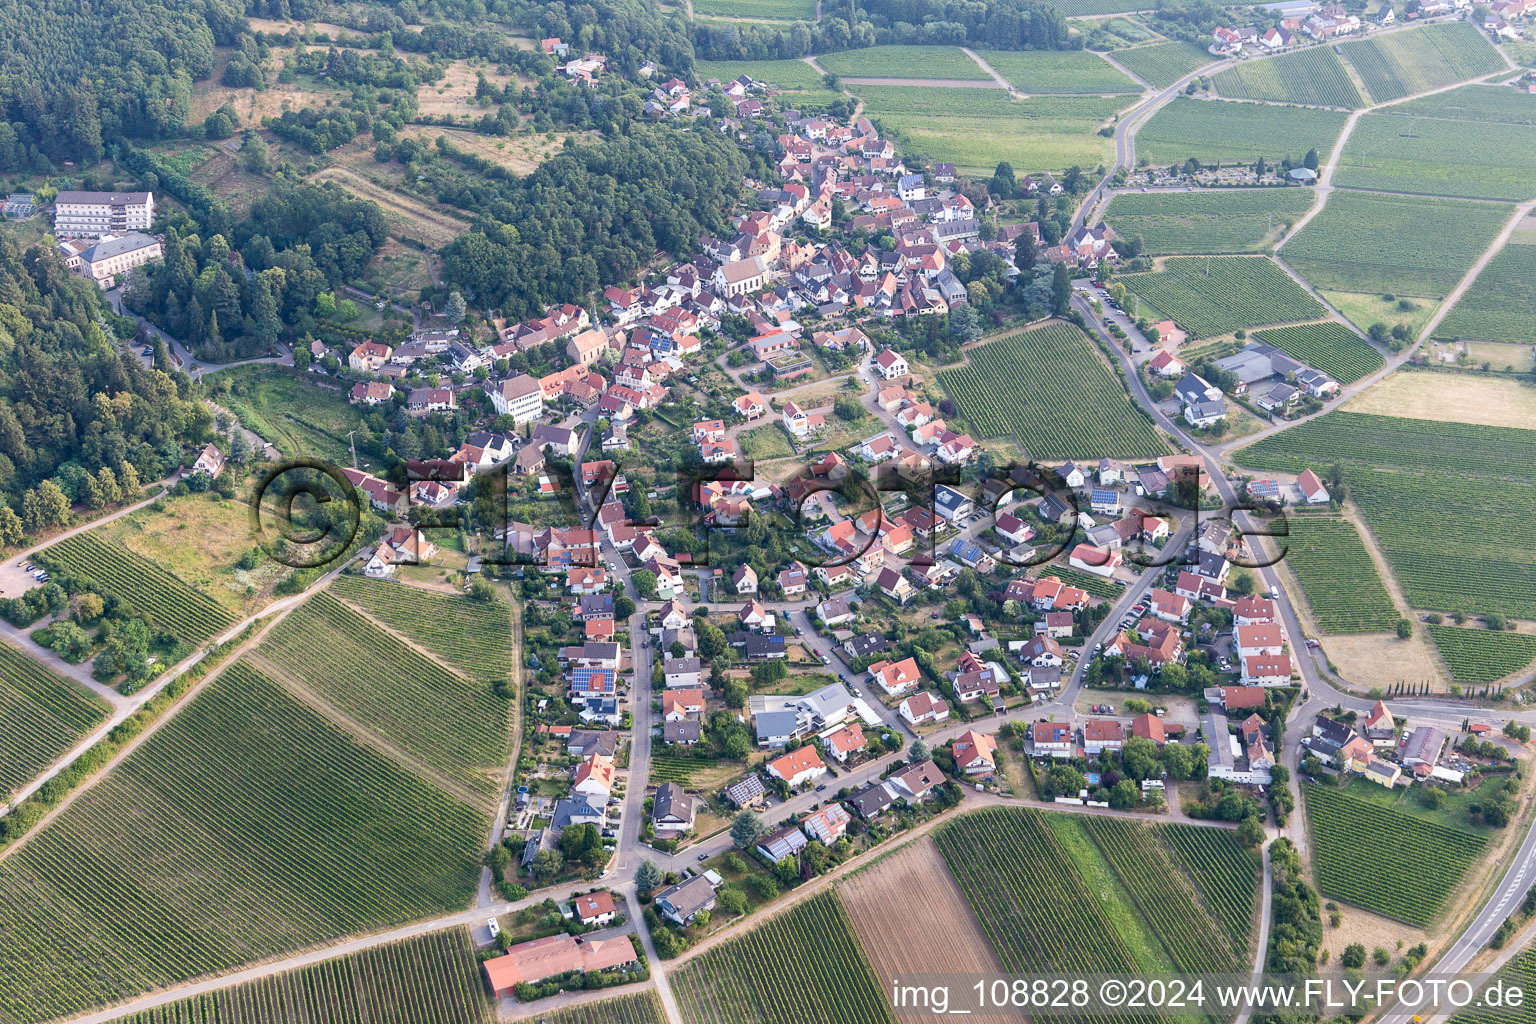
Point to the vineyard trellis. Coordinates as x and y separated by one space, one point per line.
634 1008
41 715
1314 76
1395 864
474 635
1344 588
1213 295
1331 347
1224 871
1481 655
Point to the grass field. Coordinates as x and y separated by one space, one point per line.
1445 501
1451 397
300 418
766 10
248 826
408 216
434 979
1366 242
785 971
1498 305
1331 347
475 636
1364 309
1475 159
786 74
942 63
110 569
768 442
1222 221
1226 874
1313 77
633 1008
1049 389
1397 64
976 128
1389 862
330 654
1482 655
1058 71
1217 132
41 716
1162 64
1211 296
1342 584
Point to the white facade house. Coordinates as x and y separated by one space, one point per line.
521 397
97 214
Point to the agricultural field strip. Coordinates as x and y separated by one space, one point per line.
255 841
1395 864
633 1008
1074 406
1481 655
1164 63
1061 72
473 635
1226 874
1497 307
1311 77
187 614
1208 296
940 63
1331 347
1342 583
1205 223
1233 132
1397 64
1439 157
41 715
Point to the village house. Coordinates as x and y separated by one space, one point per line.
798 767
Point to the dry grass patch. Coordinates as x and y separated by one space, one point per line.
1451 398
410 217
249 104
1369 930
520 154
454 94
908 910
1381 659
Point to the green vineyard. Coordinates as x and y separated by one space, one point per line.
635 1008
1481 655
1498 305
1331 347
1058 71
674 769
41 716
1208 296
112 569
473 635
1228 132
1345 590
1048 389
788 970
431 980
1164 896
1475 159
1312 77
1162 64
1098 586
1399 64
1521 972
1226 873
1388 862
452 725
248 826
1391 442
1215 222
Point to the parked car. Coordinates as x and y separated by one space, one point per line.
1312 642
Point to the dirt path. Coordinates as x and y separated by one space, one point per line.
407 641
999 79
923 83
1127 72
436 227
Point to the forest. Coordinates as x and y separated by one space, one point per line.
78 417
593 215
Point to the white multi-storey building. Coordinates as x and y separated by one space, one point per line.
95 214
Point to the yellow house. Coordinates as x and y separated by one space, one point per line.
1383 773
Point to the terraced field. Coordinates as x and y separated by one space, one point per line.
1213 131
1367 242
431 980
1475 159
1313 77
1208 296
1343 586
475 636
1058 71
1331 347
41 716
1498 305
397 697
1162 64
1388 862
1482 655
111 569
1215 222
1050 390
1398 64
246 827
936 62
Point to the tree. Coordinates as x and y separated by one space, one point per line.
1310 162
1122 795
1250 833
623 607
731 900
1024 254
735 694
918 751
45 507
1139 758
747 829
547 863
1003 184
11 531
1061 289
648 876
255 154
455 308
1353 955
1404 629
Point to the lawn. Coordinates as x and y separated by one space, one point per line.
1313 77
297 415
1331 347
1398 64
247 827
1474 159
1367 242
941 63
1058 71
1208 296
1342 583
1050 390
768 442
977 128
1220 221
1482 655
786 74
1387 861
1162 64
1212 131
768 10
1498 305
1365 309
41 715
